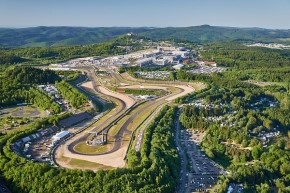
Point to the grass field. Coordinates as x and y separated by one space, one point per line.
102 120
83 164
138 119
115 129
143 115
98 149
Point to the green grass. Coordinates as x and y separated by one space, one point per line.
78 162
83 163
84 148
136 122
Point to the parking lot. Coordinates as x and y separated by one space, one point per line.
202 173
3 188
39 150
206 70
36 147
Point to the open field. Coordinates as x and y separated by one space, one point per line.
73 163
22 111
128 101
143 115
97 149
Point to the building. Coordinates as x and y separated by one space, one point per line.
144 62
213 64
61 135
178 66
160 62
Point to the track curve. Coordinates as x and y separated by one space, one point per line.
117 145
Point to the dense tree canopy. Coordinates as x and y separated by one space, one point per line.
75 98
242 57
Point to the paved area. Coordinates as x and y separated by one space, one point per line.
183 170
203 172
206 70
3 188
198 173
20 111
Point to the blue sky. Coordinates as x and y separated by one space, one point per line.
153 13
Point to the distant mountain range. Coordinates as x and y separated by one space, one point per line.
60 36
65 36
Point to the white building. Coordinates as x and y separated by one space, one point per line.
60 135
178 66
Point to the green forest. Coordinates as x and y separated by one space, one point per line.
18 85
43 55
243 57
61 36
247 127
69 75
75 98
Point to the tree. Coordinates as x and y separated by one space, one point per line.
257 151
264 188
172 76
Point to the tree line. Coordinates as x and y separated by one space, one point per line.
75 98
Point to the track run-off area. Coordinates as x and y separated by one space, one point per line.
127 118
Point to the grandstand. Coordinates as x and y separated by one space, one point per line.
59 136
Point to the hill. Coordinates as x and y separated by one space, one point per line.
206 33
67 36
60 36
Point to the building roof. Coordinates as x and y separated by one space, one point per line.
178 66
60 135
209 63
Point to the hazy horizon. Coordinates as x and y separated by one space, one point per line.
88 13
23 27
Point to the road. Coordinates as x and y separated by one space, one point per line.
203 173
118 143
3 188
123 128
